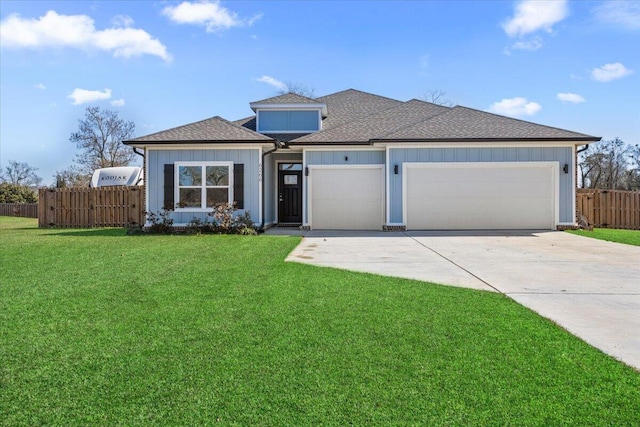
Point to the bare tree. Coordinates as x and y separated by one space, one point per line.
71 177
298 89
439 97
605 165
20 174
99 139
632 176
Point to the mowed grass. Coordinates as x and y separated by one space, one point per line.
100 328
629 237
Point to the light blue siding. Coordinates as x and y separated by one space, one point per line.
345 157
156 159
562 155
279 121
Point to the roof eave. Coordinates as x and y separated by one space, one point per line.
135 143
332 143
577 140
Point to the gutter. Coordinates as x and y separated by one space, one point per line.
276 145
586 147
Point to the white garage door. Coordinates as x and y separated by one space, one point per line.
346 197
480 196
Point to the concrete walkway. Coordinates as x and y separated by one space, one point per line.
590 287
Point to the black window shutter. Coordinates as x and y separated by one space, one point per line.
238 185
169 202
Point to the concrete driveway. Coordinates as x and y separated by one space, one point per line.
590 287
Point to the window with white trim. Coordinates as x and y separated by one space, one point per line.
203 185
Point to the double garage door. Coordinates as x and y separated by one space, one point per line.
346 197
480 196
437 196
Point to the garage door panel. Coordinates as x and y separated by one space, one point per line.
487 196
346 198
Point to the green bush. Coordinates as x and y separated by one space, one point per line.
161 222
222 220
12 193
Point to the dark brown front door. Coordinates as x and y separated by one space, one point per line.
289 196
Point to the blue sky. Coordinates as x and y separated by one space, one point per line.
570 64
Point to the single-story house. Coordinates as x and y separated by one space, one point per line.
355 160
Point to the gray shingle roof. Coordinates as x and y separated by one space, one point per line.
466 123
214 129
360 117
349 105
378 124
287 98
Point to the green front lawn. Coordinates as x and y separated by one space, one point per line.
100 328
630 237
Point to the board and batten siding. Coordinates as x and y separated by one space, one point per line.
353 157
563 155
156 159
337 157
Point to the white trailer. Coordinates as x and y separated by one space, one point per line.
124 176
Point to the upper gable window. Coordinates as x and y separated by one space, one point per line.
288 121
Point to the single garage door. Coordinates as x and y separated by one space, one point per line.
346 197
480 196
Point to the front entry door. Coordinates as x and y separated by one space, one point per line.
290 193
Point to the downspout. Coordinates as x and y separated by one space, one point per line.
144 160
586 147
264 155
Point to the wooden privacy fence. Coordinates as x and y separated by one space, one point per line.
610 208
24 210
91 207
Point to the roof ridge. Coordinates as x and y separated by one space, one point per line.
175 127
469 123
359 91
349 122
379 113
202 127
448 110
516 119
284 95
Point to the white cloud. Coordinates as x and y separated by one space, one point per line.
533 15
624 14
573 98
518 106
118 102
531 45
609 72
122 21
273 82
77 31
128 42
208 14
82 96
40 86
